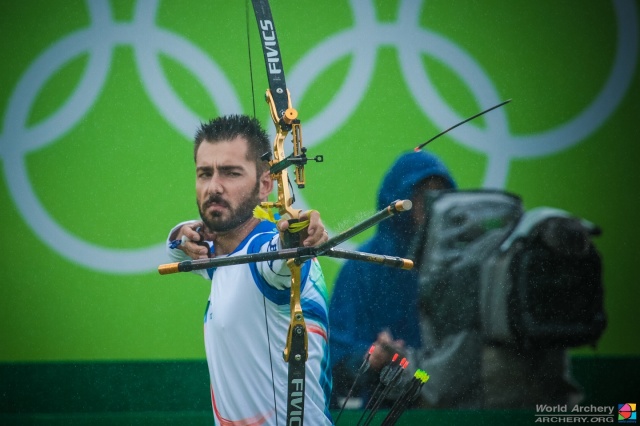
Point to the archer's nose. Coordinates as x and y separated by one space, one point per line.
215 185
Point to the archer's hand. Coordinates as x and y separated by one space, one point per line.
190 245
315 234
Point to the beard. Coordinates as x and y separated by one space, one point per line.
215 220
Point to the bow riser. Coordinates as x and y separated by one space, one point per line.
280 174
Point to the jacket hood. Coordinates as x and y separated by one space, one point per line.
408 170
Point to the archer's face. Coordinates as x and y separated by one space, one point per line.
227 185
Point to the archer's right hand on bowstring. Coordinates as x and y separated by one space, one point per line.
192 240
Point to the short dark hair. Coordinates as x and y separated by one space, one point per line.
231 126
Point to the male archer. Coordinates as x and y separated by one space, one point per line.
247 314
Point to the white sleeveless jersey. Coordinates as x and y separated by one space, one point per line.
245 326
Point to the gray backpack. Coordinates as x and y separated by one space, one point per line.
542 287
531 280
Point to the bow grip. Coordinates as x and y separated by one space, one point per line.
290 239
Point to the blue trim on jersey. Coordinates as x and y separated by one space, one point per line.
279 297
266 231
260 239
315 312
263 227
304 274
326 382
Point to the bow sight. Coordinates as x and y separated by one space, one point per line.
292 160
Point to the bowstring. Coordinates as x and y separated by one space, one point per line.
253 95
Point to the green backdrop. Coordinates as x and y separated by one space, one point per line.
98 101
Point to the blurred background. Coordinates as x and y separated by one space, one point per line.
99 101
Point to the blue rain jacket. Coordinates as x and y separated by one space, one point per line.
369 298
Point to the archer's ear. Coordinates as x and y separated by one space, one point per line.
266 185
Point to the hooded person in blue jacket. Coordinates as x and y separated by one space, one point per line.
373 303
